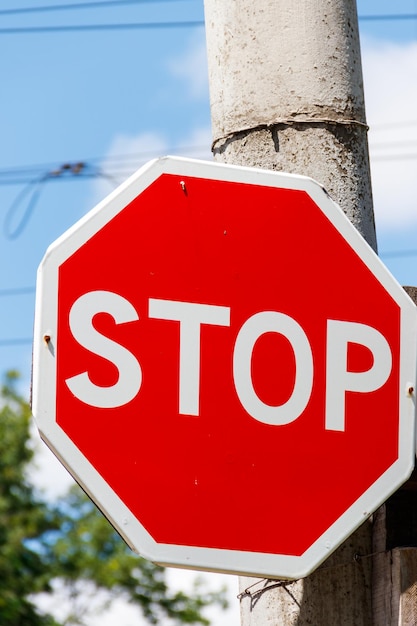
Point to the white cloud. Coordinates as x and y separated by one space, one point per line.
124 156
191 68
197 145
141 146
127 153
390 75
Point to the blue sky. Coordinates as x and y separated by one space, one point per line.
97 96
76 96
113 99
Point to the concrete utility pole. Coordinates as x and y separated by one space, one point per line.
286 94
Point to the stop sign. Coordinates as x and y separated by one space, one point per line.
226 367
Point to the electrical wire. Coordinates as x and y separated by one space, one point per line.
392 16
113 168
35 185
33 190
116 171
106 3
77 5
99 27
116 165
16 291
18 214
13 227
20 30
396 254
25 173
17 341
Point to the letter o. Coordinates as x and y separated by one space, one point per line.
252 329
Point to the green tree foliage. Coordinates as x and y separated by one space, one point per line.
23 517
69 545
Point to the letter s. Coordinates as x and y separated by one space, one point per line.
81 324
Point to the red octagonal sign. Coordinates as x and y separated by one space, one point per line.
226 367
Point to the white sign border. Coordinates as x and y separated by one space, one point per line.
44 377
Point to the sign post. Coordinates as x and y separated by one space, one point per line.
179 368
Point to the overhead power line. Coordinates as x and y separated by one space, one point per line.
77 5
108 3
386 18
16 291
396 254
17 341
113 168
25 202
113 165
13 175
117 168
98 27
20 30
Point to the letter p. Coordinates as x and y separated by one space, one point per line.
339 380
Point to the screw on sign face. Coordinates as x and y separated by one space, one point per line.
227 358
